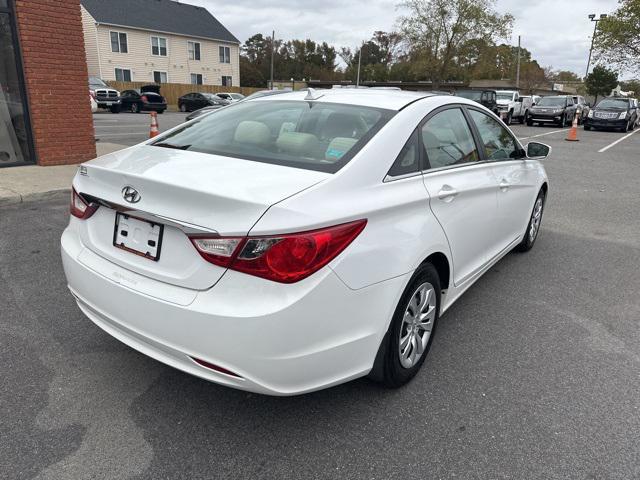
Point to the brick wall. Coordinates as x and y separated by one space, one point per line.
55 72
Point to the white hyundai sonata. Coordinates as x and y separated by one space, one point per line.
294 242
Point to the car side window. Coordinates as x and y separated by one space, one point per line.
409 159
498 142
447 139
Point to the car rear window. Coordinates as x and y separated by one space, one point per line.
304 134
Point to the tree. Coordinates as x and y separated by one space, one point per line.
617 41
532 77
631 85
601 81
436 29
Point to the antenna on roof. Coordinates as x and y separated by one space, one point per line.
312 94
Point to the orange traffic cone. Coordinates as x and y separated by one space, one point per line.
573 133
154 125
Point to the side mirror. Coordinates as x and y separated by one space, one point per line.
538 151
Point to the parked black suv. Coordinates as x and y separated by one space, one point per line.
613 112
483 97
556 109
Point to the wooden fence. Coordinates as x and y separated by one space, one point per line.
172 91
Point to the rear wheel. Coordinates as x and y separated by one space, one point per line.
412 328
509 118
529 123
587 127
183 108
524 117
135 108
115 109
533 227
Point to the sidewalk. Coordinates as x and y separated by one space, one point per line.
22 184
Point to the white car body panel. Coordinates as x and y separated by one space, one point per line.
285 339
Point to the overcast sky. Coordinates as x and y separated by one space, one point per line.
557 32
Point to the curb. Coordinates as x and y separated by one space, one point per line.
16 198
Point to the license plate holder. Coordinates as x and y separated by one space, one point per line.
138 236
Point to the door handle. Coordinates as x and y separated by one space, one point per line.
504 185
447 193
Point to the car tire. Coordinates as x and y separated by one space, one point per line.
183 108
397 366
529 123
115 109
587 128
524 117
135 108
160 112
533 225
509 118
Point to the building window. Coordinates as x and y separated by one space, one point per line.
123 75
226 81
160 77
119 42
196 79
225 54
159 46
194 50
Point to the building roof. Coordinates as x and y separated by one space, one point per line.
166 16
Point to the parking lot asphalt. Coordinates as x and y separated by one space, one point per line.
130 128
534 373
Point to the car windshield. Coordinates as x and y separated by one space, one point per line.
236 96
471 95
552 102
505 96
210 96
308 135
613 103
96 82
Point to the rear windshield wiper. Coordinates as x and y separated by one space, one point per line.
171 145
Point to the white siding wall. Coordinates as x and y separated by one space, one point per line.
177 64
90 46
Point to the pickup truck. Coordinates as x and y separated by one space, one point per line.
511 105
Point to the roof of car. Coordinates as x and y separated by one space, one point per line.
165 16
387 99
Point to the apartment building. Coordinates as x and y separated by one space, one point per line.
159 41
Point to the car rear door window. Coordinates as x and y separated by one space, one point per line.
498 142
447 139
409 159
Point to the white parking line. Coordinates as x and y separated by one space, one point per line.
543 134
617 141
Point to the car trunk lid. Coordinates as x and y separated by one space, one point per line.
187 193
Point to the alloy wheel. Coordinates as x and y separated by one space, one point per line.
536 218
417 324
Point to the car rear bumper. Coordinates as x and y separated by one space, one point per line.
279 339
154 107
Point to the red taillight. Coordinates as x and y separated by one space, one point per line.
215 368
79 207
144 99
286 258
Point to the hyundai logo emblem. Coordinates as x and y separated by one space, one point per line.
130 194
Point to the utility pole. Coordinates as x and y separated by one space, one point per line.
518 66
593 18
273 46
359 59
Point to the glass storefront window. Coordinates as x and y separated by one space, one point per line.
14 141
